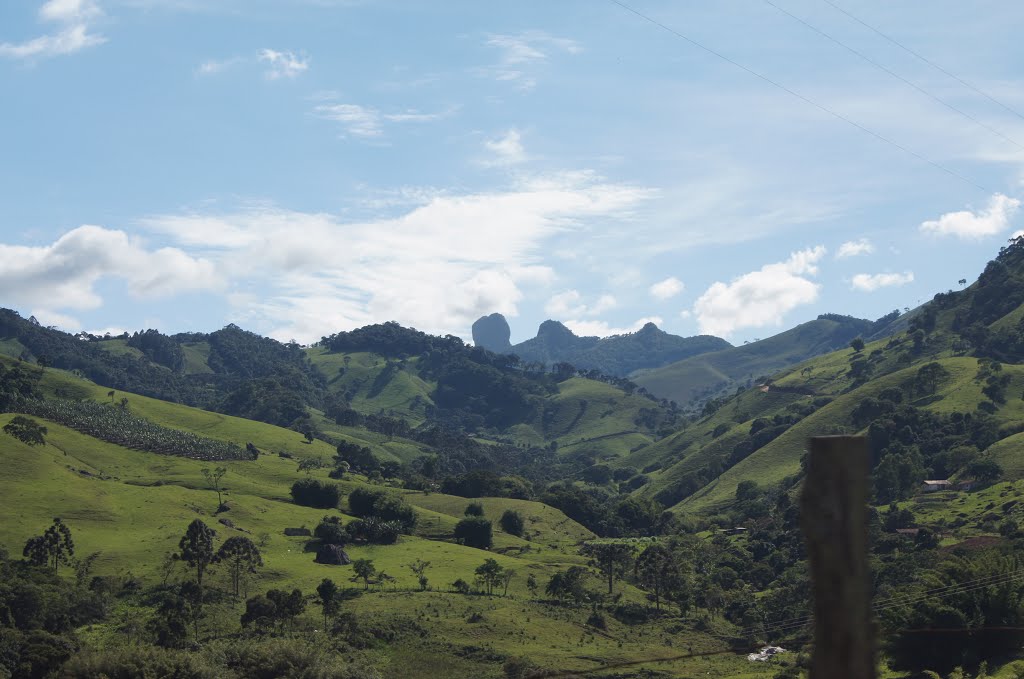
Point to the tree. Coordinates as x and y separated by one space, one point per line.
489 574
196 548
309 464
474 531
531 584
26 430
241 556
51 549
568 584
330 531
364 570
314 493
928 377
213 477
327 591
658 571
474 509
419 568
287 605
512 522
857 344
506 578
613 559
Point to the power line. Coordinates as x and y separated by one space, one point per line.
894 74
926 60
821 107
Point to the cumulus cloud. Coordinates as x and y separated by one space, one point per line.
591 328
74 16
506 149
761 297
668 288
520 52
855 248
966 224
63 275
283 64
871 282
569 304
437 267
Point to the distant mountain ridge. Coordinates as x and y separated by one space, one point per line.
709 374
619 355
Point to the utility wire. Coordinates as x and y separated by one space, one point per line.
894 74
926 60
821 107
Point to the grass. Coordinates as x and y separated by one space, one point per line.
133 507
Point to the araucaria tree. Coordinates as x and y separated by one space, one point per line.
657 569
327 592
241 556
51 549
613 559
196 547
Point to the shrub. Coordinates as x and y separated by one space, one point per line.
474 531
137 661
330 531
512 522
318 494
474 509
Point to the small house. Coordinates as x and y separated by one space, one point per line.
933 485
908 532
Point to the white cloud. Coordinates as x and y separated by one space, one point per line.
603 329
855 248
668 288
214 66
75 15
973 225
357 120
366 122
506 149
63 275
283 64
438 267
685 313
761 297
47 317
523 51
569 304
69 10
871 282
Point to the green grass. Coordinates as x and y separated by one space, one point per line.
119 347
197 356
132 507
11 347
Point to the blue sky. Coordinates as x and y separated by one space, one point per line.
306 166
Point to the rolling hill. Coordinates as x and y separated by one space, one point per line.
711 374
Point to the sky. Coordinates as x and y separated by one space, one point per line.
301 167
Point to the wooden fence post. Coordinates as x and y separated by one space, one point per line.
834 520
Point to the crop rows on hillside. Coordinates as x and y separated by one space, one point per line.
117 425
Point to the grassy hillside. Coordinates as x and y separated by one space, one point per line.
710 374
132 507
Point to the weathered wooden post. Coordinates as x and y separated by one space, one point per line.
834 518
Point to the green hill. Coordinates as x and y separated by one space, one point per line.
711 374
